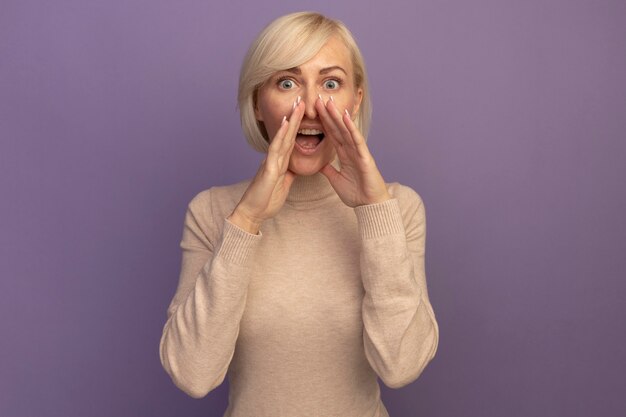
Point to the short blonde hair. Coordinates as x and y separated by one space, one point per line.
288 42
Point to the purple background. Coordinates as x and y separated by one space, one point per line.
508 117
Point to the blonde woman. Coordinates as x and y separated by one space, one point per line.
307 282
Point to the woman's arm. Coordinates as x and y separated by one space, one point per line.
199 337
400 332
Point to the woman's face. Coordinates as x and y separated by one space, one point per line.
329 73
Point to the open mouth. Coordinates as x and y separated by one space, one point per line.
309 139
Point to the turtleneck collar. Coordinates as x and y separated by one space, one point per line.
310 188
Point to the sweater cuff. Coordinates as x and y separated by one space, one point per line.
237 245
379 219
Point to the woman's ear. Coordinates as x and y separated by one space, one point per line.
257 114
255 103
358 98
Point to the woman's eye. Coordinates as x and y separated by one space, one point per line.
331 84
286 84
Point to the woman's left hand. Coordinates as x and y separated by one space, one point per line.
359 181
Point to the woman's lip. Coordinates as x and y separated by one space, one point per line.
307 151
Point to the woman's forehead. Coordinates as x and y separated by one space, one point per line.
333 56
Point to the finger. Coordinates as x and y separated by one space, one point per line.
294 124
355 133
289 178
331 173
289 120
287 141
295 104
330 127
279 137
339 122
330 131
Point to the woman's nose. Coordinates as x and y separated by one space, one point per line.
309 103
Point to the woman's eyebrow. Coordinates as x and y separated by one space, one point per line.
329 69
298 71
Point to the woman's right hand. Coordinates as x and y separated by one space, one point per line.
268 190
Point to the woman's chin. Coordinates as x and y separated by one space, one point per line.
304 171
305 167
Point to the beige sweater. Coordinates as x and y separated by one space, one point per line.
305 315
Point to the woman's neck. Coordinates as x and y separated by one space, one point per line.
310 188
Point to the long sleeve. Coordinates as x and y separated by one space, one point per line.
400 332
202 326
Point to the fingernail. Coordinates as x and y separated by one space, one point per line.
332 99
284 120
298 101
321 99
347 114
293 107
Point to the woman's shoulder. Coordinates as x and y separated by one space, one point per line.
405 195
222 193
218 201
411 206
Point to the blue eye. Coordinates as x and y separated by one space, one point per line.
331 84
286 84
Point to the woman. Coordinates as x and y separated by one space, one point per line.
307 282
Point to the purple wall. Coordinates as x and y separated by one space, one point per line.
508 117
